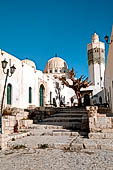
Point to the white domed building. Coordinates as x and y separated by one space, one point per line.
29 87
58 93
56 65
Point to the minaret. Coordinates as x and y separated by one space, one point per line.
96 61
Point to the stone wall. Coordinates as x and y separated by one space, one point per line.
98 122
8 124
14 119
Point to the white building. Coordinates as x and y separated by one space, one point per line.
109 75
30 87
96 67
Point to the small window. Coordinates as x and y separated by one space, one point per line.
55 70
30 95
55 77
50 71
50 97
9 94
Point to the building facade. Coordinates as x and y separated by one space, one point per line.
29 87
96 68
96 61
109 75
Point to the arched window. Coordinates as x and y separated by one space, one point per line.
41 95
30 95
9 94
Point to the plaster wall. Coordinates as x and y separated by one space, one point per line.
96 45
23 78
109 75
14 80
91 73
28 79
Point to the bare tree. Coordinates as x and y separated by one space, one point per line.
76 84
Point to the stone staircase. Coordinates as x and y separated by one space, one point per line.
69 118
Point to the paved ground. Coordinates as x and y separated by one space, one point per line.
42 151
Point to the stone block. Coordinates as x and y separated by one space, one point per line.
25 115
99 123
90 145
107 147
26 123
100 135
77 146
96 135
107 130
7 123
92 111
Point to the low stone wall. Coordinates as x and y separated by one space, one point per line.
14 119
98 122
8 124
26 123
4 138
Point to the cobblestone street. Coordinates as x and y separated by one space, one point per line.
34 159
41 151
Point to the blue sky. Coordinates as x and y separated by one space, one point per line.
38 29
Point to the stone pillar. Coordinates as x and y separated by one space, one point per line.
98 122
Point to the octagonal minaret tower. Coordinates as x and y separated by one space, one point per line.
96 61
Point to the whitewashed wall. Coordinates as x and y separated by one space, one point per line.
109 75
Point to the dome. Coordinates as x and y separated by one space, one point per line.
30 63
56 65
95 38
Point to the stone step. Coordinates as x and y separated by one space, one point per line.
73 111
35 126
75 118
73 125
65 119
99 135
61 133
67 115
70 108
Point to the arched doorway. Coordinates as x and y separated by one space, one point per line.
9 94
86 100
41 95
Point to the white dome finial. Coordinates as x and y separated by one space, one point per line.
95 38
